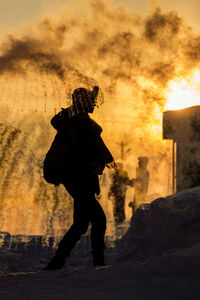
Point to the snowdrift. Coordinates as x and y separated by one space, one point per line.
158 258
166 224
166 230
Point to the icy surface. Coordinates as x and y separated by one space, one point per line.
158 258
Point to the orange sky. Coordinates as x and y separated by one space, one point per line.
18 12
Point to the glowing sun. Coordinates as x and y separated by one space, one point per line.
183 92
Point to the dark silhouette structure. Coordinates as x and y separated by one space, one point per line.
120 181
183 127
78 155
141 182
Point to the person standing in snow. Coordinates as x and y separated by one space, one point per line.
83 156
120 181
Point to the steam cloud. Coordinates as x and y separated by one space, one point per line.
131 58
109 45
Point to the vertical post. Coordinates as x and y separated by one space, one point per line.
174 167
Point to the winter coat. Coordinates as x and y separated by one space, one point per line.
79 148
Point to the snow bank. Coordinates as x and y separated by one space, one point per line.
158 258
166 227
165 224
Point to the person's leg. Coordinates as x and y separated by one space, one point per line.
98 229
119 210
86 209
115 212
79 227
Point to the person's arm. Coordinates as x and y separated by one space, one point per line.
126 179
131 182
96 168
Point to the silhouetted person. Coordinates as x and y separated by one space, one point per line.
84 158
120 181
141 182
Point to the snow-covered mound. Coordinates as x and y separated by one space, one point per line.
166 224
158 258
164 228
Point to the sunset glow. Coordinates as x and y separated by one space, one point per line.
183 92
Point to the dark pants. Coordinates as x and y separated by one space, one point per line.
86 209
119 209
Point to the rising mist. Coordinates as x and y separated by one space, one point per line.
131 58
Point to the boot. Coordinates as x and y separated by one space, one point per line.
98 260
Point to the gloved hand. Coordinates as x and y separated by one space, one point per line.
96 169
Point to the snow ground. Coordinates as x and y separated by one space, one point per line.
158 258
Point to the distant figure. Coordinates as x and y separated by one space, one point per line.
141 182
81 156
120 181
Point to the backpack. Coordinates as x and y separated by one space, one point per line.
55 159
